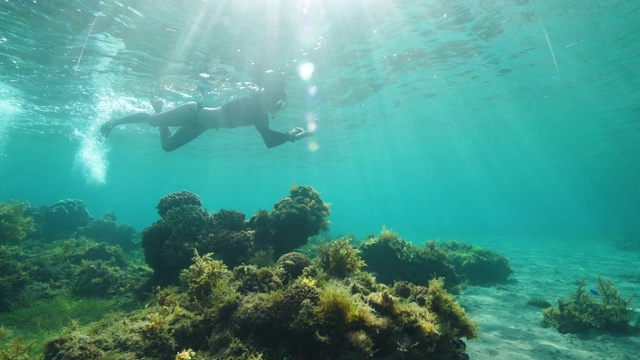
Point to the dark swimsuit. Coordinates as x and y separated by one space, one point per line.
249 110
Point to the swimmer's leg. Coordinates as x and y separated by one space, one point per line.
185 134
106 128
157 105
178 116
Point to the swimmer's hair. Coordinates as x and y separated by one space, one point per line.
272 81
275 86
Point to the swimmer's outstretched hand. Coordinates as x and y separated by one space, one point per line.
300 133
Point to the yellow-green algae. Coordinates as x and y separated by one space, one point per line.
326 306
605 310
317 315
14 224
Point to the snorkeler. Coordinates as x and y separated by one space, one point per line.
193 119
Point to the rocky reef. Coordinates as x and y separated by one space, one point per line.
185 226
61 219
281 312
293 220
478 266
219 286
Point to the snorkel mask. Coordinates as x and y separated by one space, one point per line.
282 103
277 97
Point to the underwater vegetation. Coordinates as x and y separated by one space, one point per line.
251 313
36 265
479 266
339 259
61 219
184 226
293 220
79 267
214 289
583 310
12 277
65 218
391 258
15 224
47 281
108 231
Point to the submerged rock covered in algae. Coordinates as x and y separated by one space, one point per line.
479 266
292 221
184 227
325 305
60 219
391 258
316 315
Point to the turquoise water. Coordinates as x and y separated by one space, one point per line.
437 119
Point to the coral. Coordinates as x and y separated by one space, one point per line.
177 199
581 312
478 265
14 225
108 231
293 264
292 221
392 258
339 258
61 219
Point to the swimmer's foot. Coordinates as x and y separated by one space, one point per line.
106 128
156 104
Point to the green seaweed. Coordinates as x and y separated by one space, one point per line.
14 225
220 307
583 311
293 220
479 266
44 318
339 258
391 258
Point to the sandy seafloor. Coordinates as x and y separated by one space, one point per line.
549 268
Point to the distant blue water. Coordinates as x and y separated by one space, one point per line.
437 119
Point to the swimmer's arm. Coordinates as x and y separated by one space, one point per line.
273 138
